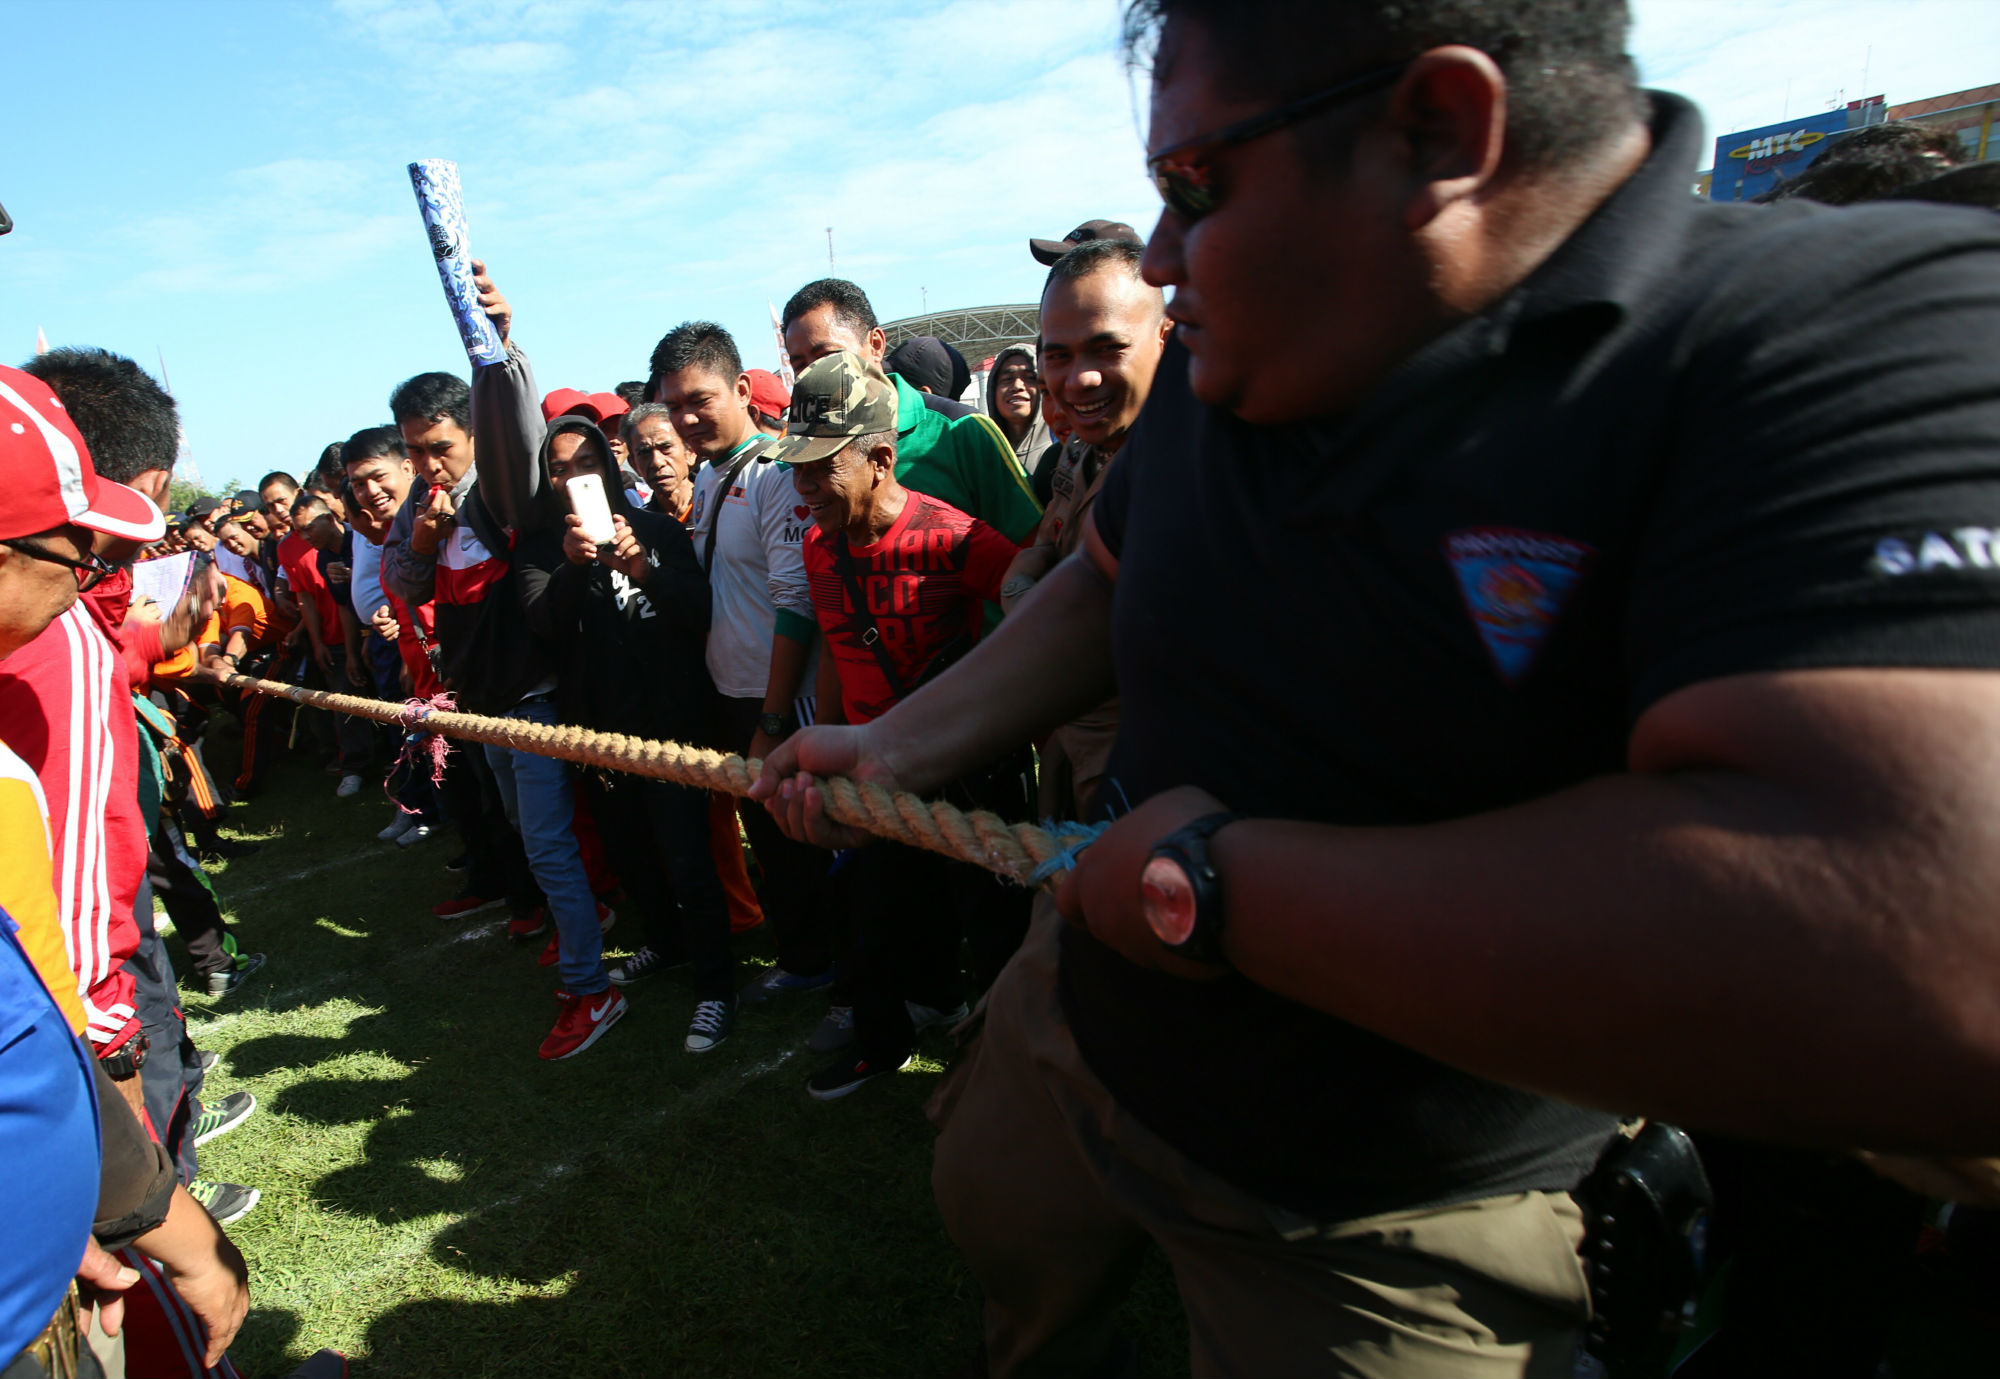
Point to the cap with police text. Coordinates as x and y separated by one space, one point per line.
1049 250
836 399
49 479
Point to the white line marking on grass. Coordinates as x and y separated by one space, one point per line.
695 1099
326 981
232 896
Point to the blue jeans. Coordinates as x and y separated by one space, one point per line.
540 803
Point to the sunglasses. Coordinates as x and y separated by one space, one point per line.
90 571
1185 180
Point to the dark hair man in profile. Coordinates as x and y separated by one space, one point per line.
963 460
1621 724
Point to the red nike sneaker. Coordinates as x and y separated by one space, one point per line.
583 1019
551 954
461 905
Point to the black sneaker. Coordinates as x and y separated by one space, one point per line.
713 1020
226 1202
225 982
209 1058
223 1116
833 1083
647 962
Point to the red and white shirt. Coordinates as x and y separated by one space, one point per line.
66 710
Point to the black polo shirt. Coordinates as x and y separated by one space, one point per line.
1700 440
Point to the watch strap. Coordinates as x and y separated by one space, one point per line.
1189 845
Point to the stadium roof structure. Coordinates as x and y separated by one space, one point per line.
974 332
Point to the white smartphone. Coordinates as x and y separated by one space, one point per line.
586 500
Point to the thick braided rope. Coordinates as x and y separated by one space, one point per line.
1015 851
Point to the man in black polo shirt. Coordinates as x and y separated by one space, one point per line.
1564 618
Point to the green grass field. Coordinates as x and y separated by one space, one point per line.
438 1200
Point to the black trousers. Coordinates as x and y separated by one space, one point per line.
905 944
179 882
171 1079
497 864
656 836
796 897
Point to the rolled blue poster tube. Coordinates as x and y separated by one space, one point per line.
442 201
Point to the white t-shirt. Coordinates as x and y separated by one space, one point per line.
758 569
365 592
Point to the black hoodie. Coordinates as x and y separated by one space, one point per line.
629 658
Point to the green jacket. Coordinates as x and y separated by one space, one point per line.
966 462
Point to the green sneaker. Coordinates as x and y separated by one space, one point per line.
226 1202
223 1116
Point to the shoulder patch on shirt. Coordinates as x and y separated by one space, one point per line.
1515 584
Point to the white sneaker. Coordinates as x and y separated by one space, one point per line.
923 1017
415 834
398 826
350 786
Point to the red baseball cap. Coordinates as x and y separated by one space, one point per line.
49 479
768 393
560 401
606 406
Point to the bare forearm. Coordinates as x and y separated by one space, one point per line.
1708 947
1047 662
788 674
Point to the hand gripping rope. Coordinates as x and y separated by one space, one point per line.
1027 854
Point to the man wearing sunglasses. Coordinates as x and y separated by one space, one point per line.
1550 614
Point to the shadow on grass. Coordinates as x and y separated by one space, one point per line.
443 1201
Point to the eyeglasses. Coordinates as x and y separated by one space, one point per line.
1186 182
90 571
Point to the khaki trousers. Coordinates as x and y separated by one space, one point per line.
1053 1193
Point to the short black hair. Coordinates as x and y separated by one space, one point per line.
697 343
129 421
373 442
1976 184
307 501
850 304
1870 164
633 392
278 476
1570 83
433 397
1093 256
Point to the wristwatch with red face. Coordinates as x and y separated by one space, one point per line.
1180 891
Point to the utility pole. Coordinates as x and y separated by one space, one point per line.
927 299
829 249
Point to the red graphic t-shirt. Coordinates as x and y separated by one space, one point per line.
923 582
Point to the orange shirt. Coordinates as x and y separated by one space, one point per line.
244 608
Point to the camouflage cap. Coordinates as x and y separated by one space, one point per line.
836 399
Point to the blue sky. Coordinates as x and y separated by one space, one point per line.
224 183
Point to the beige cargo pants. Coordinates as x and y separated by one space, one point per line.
1052 1193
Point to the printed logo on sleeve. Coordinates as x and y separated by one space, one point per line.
1962 548
1515 584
